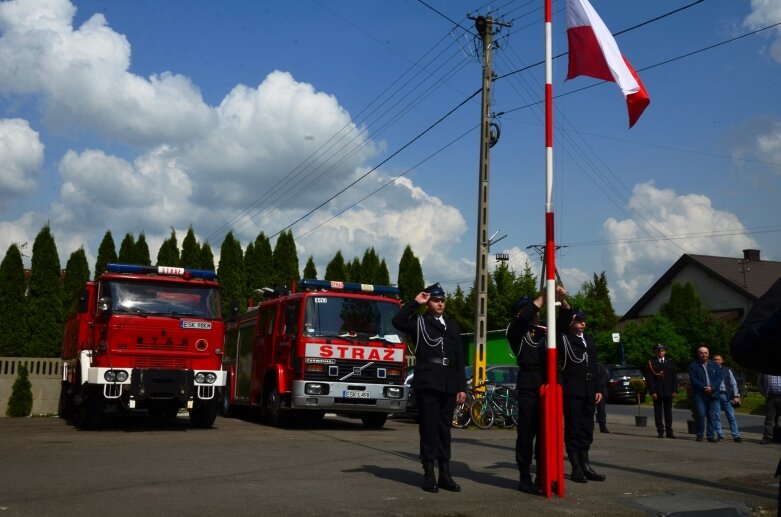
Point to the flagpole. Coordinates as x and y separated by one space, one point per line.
552 478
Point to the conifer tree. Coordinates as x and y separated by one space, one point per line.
310 271
335 270
410 280
14 332
45 298
76 276
231 274
191 251
353 270
370 267
168 255
207 257
142 251
107 252
20 403
127 250
264 260
383 277
285 259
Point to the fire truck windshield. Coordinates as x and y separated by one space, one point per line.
353 318
150 298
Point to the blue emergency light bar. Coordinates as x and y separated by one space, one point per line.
135 269
352 287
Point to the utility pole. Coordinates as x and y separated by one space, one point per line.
485 28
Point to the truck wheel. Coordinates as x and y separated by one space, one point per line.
203 415
88 412
65 406
225 403
272 407
374 420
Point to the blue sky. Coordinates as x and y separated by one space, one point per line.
145 116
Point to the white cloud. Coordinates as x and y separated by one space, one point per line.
81 75
641 250
22 158
764 13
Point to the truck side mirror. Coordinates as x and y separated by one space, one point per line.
104 305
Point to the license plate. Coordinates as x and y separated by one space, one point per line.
203 325
626 383
349 394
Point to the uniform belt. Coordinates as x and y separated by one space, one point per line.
444 361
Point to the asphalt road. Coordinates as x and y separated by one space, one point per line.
136 466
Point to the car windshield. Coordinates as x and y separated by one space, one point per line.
619 373
163 298
329 316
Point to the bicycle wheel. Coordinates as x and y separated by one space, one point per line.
482 413
461 416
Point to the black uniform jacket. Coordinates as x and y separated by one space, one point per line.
428 373
662 379
530 350
579 374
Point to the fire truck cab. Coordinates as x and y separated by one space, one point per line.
330 347
144 338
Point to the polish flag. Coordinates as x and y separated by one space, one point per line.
593 52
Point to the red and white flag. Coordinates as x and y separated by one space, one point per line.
593 52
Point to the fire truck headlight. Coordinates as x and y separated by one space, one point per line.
316 388
393 392
115 375
205 377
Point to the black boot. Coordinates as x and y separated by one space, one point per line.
577 474
526 484
429 480
445 481
587 470
603 428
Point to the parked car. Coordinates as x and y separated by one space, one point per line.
618 389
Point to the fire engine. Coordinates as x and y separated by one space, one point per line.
144 338
329 347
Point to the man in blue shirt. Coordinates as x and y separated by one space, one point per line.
705 377
729 399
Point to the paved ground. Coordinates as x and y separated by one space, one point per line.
138 467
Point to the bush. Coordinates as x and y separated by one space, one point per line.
20 403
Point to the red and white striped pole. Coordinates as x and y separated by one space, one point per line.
551 409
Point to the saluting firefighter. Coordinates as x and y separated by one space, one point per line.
527 343
577 361
439 381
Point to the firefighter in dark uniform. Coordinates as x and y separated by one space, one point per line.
527 343
439 381
663 387
577 361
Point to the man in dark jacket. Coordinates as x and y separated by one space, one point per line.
577 358
705 377
439 381
527 343
662 380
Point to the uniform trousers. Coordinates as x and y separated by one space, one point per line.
663 413
772 412
435 418
578 422
527 443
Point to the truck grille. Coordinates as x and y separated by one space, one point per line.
367 373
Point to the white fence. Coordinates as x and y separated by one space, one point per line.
44 374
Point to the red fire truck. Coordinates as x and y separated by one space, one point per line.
144 338
329 347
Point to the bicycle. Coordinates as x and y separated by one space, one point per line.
499 405
461 414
